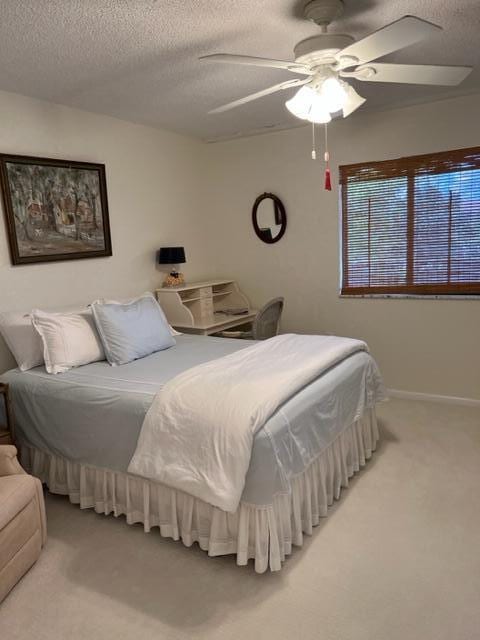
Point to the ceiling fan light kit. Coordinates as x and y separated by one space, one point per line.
306 104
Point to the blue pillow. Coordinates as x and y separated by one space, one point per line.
131 331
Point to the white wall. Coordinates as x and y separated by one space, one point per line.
153 182
430 346
167 189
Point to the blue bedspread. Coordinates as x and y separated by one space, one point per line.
93 414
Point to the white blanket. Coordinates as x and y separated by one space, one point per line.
198 434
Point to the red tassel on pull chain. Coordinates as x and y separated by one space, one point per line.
328 179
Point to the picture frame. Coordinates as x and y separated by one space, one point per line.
54 209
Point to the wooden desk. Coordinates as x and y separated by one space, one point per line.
197 307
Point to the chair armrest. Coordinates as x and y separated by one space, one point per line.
9 464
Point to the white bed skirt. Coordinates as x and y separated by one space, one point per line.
265 533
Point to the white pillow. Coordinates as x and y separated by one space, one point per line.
69 339
129 300
21 338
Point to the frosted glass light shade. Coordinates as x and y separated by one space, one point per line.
333 94
318 111
308 104
301 102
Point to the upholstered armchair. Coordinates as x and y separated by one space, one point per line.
22 520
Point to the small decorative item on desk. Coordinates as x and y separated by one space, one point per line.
172 256
6 416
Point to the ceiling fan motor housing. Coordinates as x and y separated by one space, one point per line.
321 49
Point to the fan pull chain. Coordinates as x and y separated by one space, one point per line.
326 156
314 151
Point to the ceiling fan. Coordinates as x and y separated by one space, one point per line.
325 60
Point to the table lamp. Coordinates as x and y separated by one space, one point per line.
172 256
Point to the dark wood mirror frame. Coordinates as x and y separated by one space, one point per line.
280 218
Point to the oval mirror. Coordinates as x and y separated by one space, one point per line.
269 218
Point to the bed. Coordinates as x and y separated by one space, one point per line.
79 430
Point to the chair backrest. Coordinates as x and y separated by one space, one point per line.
267 320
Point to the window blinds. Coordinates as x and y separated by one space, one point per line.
412 225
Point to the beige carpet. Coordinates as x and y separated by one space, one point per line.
397 558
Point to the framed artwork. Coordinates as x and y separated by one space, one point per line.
54 209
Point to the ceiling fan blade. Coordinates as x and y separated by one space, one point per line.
354 101
410 73
260 94
397 35
258 62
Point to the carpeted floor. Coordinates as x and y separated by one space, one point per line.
397 558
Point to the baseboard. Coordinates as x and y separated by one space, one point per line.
432 397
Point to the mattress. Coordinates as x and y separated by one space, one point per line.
93 414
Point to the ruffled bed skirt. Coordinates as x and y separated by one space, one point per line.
265 533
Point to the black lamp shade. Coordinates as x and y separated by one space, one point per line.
171 255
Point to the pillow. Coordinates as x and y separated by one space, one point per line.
173 331
69 339
133 330
22 339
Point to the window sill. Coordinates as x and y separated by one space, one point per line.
401 296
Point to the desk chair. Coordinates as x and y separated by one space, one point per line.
265 325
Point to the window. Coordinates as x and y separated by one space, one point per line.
412 225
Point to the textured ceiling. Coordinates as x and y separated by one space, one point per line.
137 59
